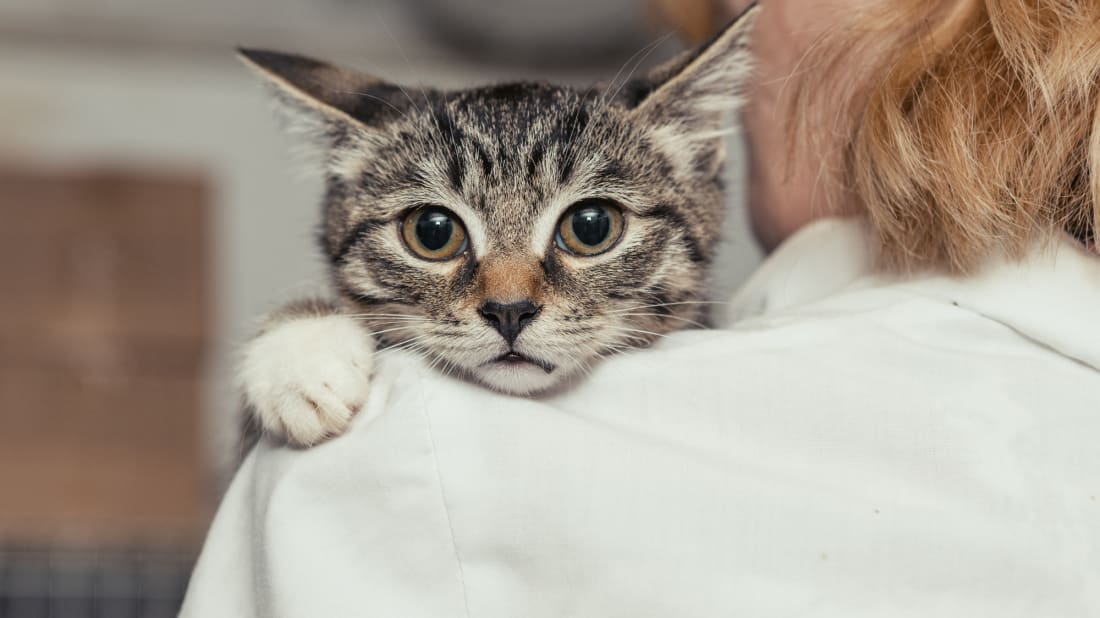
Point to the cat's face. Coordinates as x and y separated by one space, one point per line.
517 233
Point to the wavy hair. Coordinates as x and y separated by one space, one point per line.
972 126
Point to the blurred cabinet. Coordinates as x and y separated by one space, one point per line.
104 316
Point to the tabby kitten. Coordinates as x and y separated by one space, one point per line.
512 234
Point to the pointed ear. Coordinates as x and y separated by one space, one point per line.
696 89
321 97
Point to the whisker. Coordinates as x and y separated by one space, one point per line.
407 343
423 92
388 330
389 318
644 49
636 330
391 315
668 316
652 46
401 50
682 302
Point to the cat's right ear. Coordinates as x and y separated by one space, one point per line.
696 89
324 99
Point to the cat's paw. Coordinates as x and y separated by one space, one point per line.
305 379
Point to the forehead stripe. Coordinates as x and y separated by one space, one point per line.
486 160
565 171
454 139
535 161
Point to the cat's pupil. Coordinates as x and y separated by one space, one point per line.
591 225
434 230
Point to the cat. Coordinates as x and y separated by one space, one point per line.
512 234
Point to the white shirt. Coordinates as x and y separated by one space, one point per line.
853 445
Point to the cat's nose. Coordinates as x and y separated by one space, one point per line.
509 319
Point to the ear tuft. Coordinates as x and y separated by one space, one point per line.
687 102
701 85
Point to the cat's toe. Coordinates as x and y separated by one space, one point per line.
307 420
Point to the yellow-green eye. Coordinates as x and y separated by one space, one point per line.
590 227
433 233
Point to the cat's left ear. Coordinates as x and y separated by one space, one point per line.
696 90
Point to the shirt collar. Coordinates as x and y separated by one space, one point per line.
1051 295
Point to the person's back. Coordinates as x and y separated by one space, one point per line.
852 445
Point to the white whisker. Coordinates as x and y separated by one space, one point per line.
682 302
666 316
636 330
391 319
389 330
646 49
401 50
652 46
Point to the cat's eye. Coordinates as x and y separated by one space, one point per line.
590 227
433 233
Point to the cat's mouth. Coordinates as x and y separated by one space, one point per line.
517 373
515 359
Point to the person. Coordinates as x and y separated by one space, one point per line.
899 418
956 128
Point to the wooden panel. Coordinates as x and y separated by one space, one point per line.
94 261
103 319
98 461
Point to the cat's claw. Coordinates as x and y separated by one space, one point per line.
304 379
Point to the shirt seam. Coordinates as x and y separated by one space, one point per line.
447 511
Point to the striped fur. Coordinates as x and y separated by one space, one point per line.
509 160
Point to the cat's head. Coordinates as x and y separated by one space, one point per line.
517 233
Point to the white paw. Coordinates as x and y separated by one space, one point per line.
306 378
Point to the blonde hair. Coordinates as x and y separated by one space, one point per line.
972 126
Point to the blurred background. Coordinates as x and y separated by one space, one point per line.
150 212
